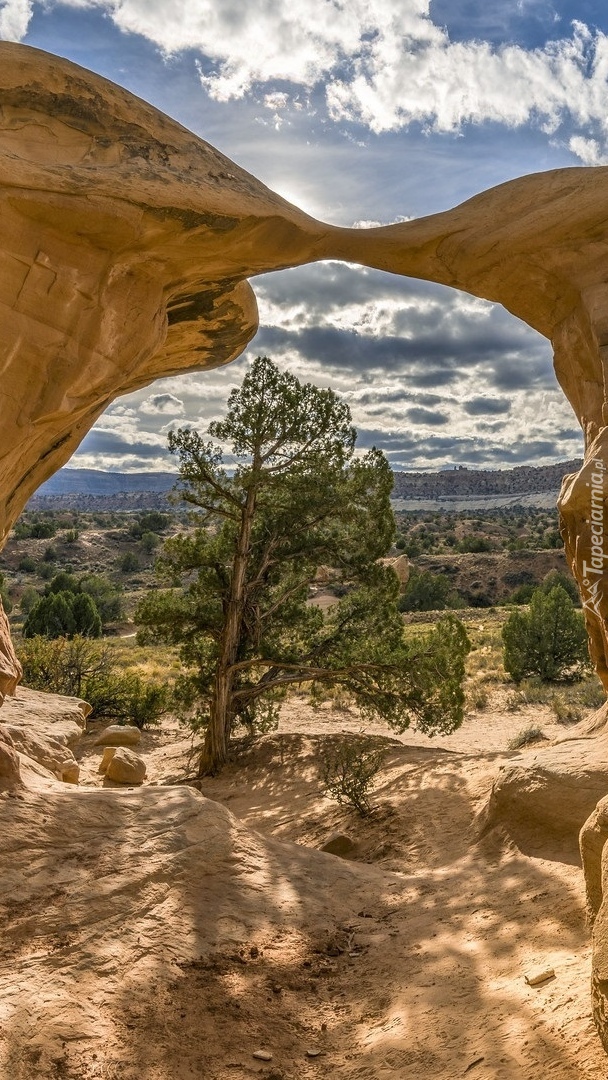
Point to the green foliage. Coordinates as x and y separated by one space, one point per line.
129 563
63 614
473 544
150 542
237 602
27 565
29 597
349 770
71 536
426 591
549 640
107 597
63 582
81 668
523 594
154 521
566 581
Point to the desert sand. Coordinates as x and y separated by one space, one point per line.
168 933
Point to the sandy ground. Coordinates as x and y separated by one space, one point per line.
154 935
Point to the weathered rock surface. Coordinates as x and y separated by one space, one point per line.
557 787
595 866
10 772
42 728
106 758
126 767
119 735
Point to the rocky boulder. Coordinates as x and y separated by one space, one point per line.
119 735
125 767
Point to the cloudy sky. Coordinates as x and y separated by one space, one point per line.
362 111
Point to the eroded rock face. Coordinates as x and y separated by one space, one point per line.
127 241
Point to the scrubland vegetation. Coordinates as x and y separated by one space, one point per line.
268 580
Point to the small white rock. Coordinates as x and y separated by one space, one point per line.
541 975
262 1055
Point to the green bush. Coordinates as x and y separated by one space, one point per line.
349 770
149 542
79 667
426 591
107 597
27 565
567 582
129 563
548 640
29 598
473 544
63 614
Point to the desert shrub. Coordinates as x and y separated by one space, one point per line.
591 693
129 563
107 597
149 542
548 640
79 667
29 597
63 582
477 697
50 554
426 591
41 530
567 582
566 712
154 521
473 544
63 614
526 736
349 770
71 536
27 565
529 692
522 595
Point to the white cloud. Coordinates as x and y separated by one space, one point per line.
160 404
384 64
15 17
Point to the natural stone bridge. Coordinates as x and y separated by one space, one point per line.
125 249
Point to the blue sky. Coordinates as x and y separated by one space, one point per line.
362 111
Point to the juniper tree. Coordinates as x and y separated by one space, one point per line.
238 598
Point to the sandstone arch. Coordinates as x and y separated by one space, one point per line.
127 242
125 249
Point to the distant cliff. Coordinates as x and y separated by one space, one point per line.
91 489
459 482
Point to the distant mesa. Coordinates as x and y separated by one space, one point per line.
96 482
79 488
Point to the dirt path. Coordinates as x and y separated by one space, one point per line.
408 960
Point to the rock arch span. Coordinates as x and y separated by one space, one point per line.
125 249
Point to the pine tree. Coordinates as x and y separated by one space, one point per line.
238 607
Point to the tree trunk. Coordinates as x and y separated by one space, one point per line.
217 737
